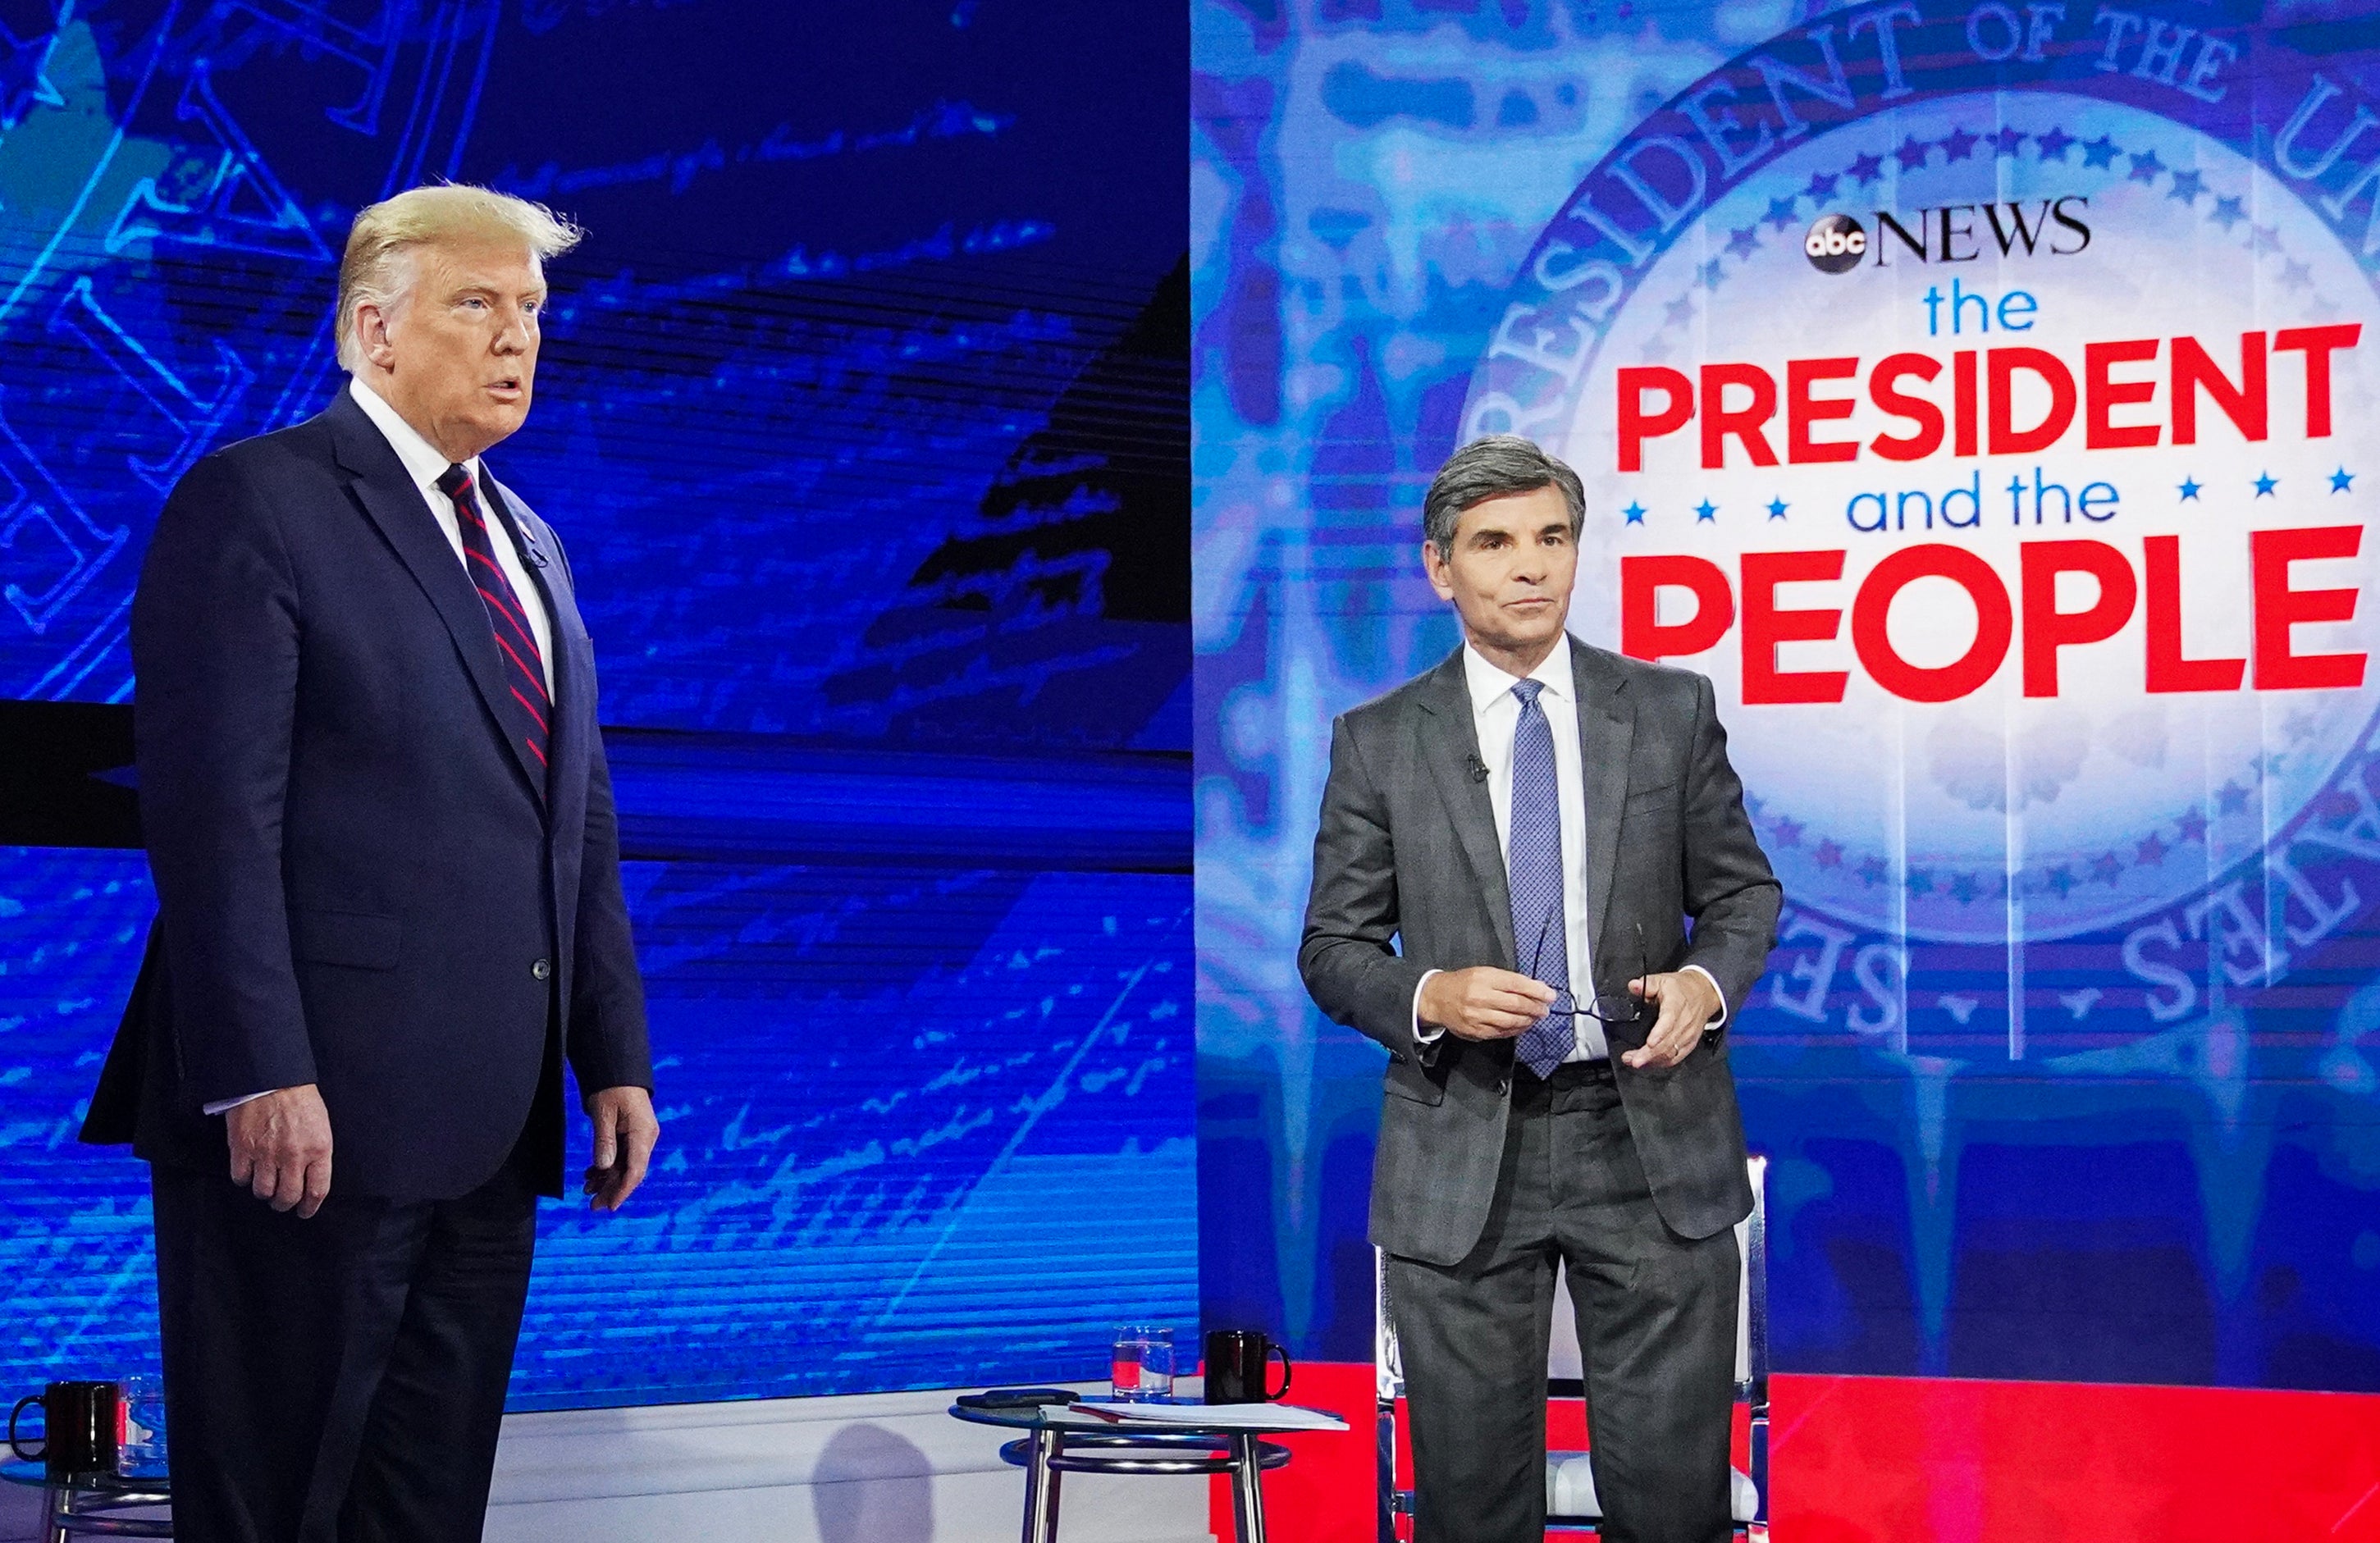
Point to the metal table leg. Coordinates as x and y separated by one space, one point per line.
1049 1486
1247 1488
1041 1488
58 1504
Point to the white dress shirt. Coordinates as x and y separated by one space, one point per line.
425 465
1495 714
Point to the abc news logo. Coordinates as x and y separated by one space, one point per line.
1950 233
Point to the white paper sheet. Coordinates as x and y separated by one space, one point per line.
1230 1416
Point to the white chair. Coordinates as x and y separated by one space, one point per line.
1571 1501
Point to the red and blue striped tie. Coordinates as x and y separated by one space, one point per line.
529 708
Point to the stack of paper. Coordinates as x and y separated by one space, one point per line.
1215 1416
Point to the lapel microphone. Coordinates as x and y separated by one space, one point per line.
1478 769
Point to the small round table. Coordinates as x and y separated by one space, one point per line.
85 1505
1059 1440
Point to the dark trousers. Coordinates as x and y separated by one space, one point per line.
339 1379
1656 1331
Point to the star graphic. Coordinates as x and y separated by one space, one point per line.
2053 145
22 84
1913 153
2265 483
1781 211
1920 880
1959 145
2108 867
2006 141
2192 825
1866 169
2232 797
2189 490
1654 351
2229 211
1711 273
2060 882
1963 888
2100 151
2187 186
1777 508
1706 513
1788 832
2145 169
2340 479
1822 186
1744 242
2264 238
2296 275
2152 851
1677 312
1828 854
1872 871
1636 513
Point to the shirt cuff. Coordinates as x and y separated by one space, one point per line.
219 1105
1721 1020
1434 1033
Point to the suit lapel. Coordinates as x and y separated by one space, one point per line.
389 497
1607 730
1450 747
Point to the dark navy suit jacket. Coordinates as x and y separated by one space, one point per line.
357 884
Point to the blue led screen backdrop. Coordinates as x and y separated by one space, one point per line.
1982 396
862 413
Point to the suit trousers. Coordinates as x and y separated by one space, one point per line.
339 1379
1656 1320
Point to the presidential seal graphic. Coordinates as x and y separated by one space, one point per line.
1991 430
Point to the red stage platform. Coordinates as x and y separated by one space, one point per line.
1914 1460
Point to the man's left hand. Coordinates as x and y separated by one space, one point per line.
1688 1003
625 1129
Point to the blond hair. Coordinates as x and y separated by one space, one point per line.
378 268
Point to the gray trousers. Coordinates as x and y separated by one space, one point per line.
1655 1329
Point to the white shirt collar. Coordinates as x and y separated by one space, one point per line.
422 461
1489 681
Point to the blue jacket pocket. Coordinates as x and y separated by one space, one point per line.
355 938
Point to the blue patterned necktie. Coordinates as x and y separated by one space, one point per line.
1533 865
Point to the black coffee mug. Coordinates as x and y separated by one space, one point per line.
1237 1365
83 1424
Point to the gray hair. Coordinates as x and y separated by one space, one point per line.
1491 467
378 269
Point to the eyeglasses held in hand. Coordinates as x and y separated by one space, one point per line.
1625 1008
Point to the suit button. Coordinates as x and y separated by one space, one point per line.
541 970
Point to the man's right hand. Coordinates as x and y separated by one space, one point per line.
281 1148
1484 1003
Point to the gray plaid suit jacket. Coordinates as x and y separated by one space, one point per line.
1408 877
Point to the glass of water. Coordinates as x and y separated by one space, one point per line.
141 1453
1141 1370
